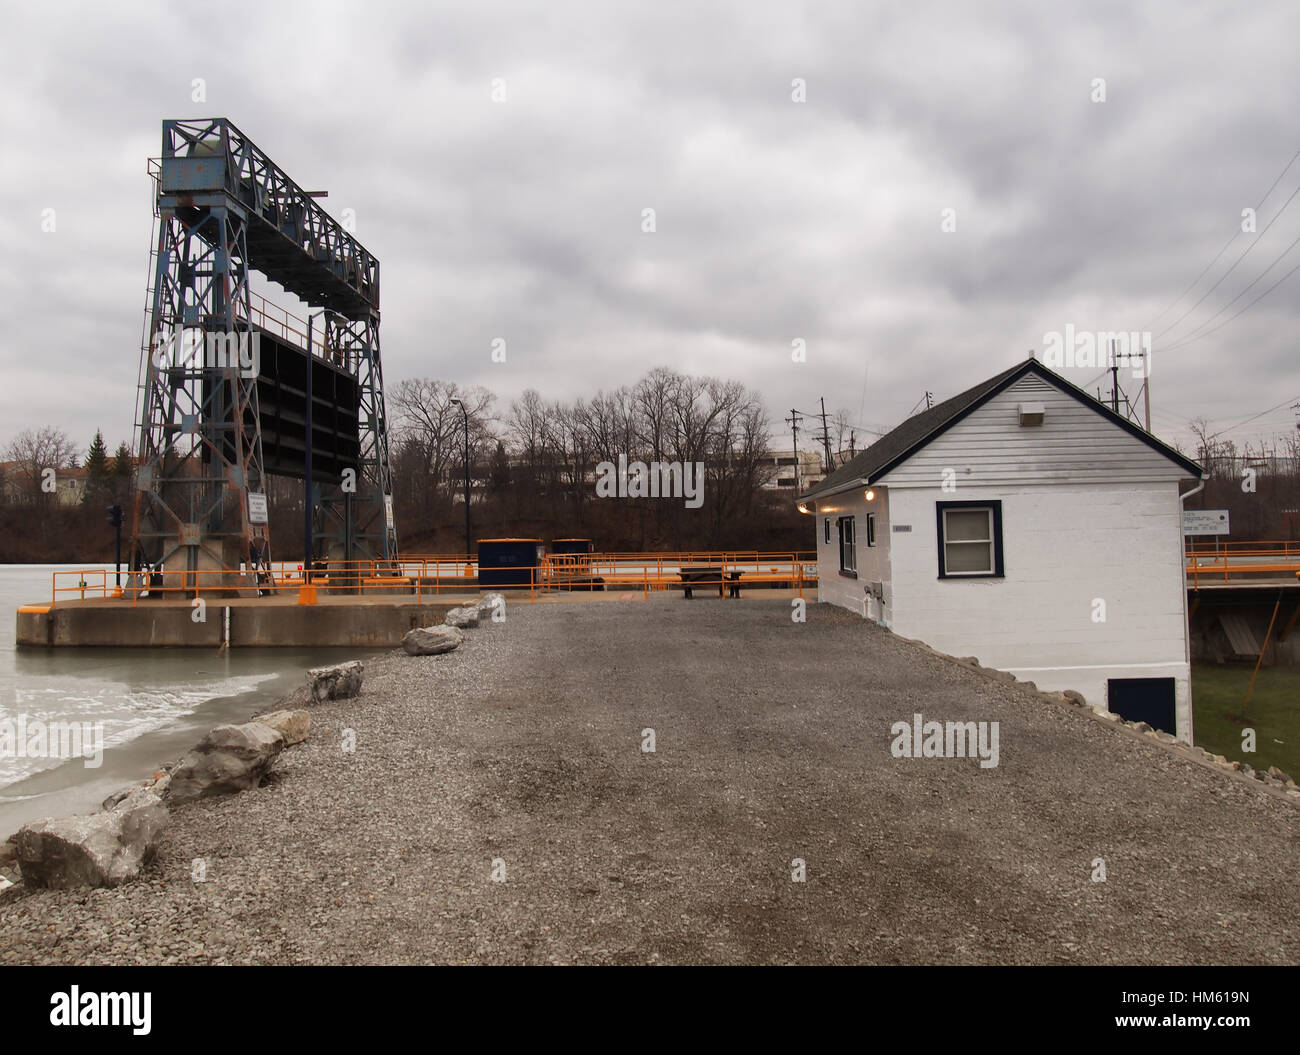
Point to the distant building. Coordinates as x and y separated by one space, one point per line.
1023 523
781 466
17 487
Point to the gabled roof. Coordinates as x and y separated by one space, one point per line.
901 443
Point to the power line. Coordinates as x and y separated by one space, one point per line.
1234 264
863 428
1244 309
1229 242
1253 417
1095 379
1192 336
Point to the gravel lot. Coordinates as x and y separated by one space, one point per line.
772 743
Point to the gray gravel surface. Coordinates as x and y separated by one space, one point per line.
772 743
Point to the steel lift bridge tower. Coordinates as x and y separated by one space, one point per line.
229 382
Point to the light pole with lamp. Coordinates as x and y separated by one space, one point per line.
469 553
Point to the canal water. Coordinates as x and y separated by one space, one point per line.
150 704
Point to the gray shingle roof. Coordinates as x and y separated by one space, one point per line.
919 429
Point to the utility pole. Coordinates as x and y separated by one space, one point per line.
826 441
793 419
1114 380
1146 389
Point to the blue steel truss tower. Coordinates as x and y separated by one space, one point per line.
223 208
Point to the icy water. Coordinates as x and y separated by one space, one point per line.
150 704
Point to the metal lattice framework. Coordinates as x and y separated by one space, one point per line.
224 208
361 522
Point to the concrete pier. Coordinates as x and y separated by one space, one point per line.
374 621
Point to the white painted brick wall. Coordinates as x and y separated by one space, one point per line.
1064 546
873 561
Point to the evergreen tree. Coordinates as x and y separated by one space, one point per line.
122 471
99 483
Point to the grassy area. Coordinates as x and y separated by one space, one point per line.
1274 714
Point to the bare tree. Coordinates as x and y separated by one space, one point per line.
32 452
526 427
430 436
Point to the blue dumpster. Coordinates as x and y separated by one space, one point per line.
509 561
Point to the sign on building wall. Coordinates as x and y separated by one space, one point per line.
1205 522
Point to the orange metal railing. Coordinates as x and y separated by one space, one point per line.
1282 547
1241 562
419 575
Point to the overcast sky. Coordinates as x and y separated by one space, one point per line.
775 219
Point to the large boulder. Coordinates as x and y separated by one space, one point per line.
8 864
335 683
230 758
490 603
122 794
462 618
432 640
294 726
101 849
155 785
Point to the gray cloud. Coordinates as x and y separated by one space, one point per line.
776 220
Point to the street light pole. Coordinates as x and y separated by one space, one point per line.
469 552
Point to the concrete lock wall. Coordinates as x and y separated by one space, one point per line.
250 625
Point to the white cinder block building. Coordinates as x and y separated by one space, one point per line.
1023 523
